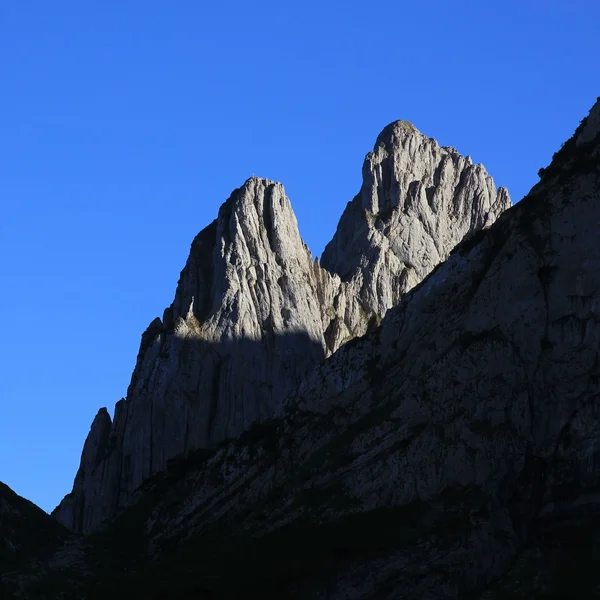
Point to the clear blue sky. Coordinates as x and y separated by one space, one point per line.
124 125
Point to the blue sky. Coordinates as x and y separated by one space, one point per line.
124 126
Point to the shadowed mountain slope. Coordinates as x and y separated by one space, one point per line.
253 311
449 453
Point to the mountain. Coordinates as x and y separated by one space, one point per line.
32 545
449 453
416 203
26 530
253 310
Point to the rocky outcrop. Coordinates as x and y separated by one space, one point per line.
453 447
253 310
89 477
418 200
590 128
419 458
244 325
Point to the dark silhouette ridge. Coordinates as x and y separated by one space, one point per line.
26 531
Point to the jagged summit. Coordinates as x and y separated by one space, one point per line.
253 311
450 453
418 200
256 228
395 130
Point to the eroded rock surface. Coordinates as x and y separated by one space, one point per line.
418 200
253 310
419 458
451 452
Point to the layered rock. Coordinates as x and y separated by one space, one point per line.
416 461
244 325
253 310
418 200
418 458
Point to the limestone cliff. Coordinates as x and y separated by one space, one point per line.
418 200
450 453
421 459
253 310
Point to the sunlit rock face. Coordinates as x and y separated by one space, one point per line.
435 449
253 310
418 200
451 452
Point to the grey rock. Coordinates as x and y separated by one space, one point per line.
441 437
253 310
591 128
244 325
416 460
418 200
73 510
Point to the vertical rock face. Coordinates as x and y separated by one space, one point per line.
74 508
591 126
417 202
253 310
438 446
243 327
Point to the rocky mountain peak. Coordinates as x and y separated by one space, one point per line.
254 241
395 131
253 311
451 452
418 200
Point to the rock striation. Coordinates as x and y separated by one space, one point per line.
418 200
452 452
423 456
253 310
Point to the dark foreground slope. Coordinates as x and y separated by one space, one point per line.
27 531
450 453
31 546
